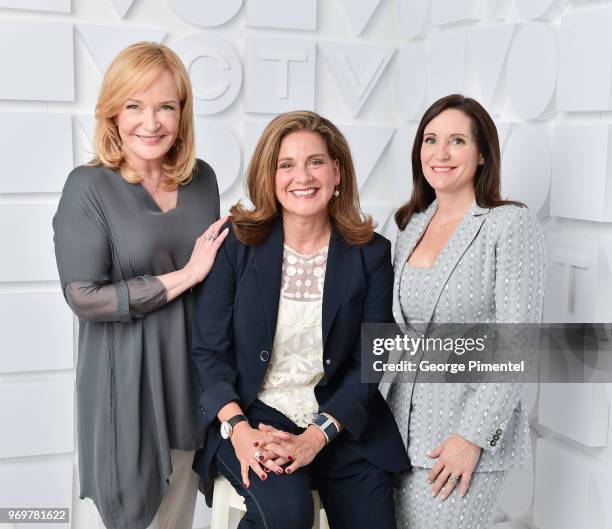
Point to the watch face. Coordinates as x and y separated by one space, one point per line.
226 430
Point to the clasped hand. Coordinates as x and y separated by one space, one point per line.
455 457
274 448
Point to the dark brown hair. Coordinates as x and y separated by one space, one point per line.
487 180
252 225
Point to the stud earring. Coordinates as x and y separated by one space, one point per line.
336 193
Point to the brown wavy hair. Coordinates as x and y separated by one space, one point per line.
135 68
253 224
487 180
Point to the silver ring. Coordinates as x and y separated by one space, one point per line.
210 237
454 478
258 455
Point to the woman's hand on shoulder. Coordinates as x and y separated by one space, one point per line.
456 458
255 450
205 251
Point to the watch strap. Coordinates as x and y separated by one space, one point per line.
326 425
233 421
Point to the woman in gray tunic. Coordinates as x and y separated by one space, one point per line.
463 255
133 235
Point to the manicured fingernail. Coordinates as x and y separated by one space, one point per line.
263 476
255 443
279 472
289 458
288 471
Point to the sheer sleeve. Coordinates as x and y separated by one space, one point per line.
83 255
102 302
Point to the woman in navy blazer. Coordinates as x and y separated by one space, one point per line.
273 431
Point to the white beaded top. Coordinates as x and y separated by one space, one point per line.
296 365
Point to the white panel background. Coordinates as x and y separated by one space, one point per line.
554 118
40 414
39 68
37 482
51 134
50 346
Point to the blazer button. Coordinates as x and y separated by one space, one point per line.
327 361
493 443
264 356
496 437
202 411
498 432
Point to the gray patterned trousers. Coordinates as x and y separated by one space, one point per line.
416 508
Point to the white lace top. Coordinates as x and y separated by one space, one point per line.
296 364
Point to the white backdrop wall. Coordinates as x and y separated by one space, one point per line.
543 68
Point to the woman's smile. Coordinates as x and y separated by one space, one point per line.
442 168
150 140
302 194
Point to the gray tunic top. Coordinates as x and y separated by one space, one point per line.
136 394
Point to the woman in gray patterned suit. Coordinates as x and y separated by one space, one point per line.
463 255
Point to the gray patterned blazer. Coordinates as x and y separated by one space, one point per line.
491 270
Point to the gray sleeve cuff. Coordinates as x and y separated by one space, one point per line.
487 413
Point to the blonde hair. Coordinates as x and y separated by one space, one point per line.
135 68
252 226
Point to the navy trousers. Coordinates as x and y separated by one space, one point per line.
355 493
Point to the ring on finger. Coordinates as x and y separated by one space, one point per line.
210 237
454 478
258 455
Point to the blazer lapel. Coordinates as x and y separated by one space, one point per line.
338 270
454 250
407 240
268 259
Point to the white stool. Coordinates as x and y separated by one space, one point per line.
226 498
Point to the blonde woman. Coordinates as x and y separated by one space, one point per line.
134 231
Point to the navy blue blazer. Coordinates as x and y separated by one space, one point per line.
233 330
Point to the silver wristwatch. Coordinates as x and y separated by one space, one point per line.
227 427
